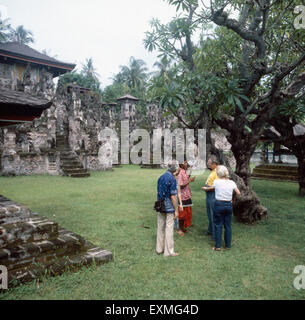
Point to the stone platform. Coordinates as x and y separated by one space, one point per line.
32 246
276 172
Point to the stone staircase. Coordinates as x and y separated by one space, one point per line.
276 172
69 161
32 246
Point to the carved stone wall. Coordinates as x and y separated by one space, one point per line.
79 117
31 148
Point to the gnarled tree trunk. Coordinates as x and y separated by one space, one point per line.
247 207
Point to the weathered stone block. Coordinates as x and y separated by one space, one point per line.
37 247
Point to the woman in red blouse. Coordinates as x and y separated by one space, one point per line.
185 215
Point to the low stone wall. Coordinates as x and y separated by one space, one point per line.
32 246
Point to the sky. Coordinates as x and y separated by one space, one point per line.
109 31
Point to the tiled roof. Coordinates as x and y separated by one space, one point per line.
17 49
128 97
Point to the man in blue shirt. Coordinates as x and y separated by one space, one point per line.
167 191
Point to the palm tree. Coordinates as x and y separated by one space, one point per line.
119 78
5 28
135 74
88 69
22 35
163 67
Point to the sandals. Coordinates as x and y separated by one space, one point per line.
216 249
175 254
219 249
180 232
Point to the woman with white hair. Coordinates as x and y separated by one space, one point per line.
223 208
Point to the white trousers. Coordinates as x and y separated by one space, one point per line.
165 234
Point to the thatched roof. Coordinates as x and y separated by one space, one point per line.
10 97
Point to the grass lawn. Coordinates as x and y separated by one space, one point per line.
114 210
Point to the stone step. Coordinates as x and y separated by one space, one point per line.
37 247
71 165
41 251
11 212
276 171
35 228
80 175
69 158
68 155
60 150
68 169
90 255
274 177
278 166
70 162
75 171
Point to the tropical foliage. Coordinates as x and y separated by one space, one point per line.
131 79
87 77
21 35
5 29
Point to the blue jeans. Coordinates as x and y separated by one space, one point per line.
223 216
210 200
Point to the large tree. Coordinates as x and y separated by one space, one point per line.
256 71
5 29
21 35
88 69
87 78
134 75
132 79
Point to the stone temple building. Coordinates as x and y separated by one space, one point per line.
63 138
32 246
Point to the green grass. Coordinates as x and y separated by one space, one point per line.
114 210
